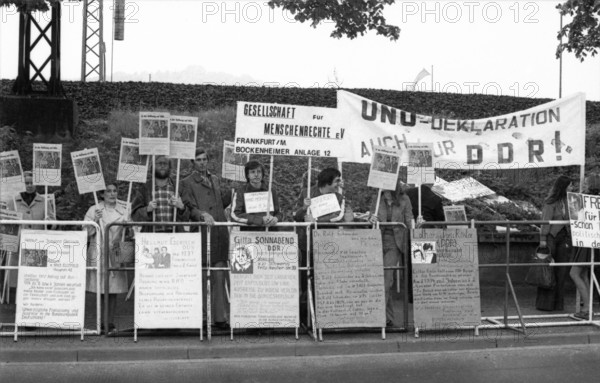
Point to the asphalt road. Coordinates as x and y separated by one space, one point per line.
523 364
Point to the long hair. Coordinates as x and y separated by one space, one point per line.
559 190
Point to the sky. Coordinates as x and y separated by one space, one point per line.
490 47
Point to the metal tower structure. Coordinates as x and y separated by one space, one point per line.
93 50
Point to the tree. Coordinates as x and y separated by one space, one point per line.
351 17
583 32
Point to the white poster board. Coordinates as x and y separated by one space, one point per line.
9 234
154 133
183 131
584 215
462 189
168 280
233 163
257 202
384 168
264 279
11 175
455 213
288 130
324 204
47 163
88 171
51 282
133 167
420 164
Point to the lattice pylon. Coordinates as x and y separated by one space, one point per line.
93 51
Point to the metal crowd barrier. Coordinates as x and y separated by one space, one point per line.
83 331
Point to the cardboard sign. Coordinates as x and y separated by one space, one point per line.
183 131
349 285
420 164
264 279
384 168
233 163
11 175
257 202
455 213
445 278
168 280
133 167
9 234
584 215
51 282
324 204
154 133
88 171
47 161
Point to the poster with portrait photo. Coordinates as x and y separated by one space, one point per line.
384 168
584 216
168 280
455 213
51 279
88 171
11 175
154 133
423 252
9 234
47 164
420 164
183 131
233 163
133 167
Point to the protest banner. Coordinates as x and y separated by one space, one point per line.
455 213
324 204
168 281
264 279
47 161
288 130
88 171
445 278
584 215
551 134
154 133
384 168
51 281
183 131
349 288
233 163
133 167
11 175
460 190
257 202
420 164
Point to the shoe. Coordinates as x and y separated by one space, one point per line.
111 328
389 323
582 315
221 326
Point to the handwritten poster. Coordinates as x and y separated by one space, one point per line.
11 175
445 278
257 202
264 279
233 163
51 282
88 171
182 137
133 167
168 280
324 204
154 133
462 189
420 164
384 168
584 215
349 286
47 164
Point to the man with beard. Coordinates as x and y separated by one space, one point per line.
206 201
157 205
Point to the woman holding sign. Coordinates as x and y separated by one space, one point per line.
395 206
242 211
103 213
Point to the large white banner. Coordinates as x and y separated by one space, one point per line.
288 130
51 282
168 280
551 134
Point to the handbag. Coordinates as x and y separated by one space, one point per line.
541 274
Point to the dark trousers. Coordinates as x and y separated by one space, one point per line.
553 299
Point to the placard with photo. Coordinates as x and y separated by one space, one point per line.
47 161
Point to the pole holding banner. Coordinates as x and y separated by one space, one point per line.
378 202
153 188
176 193
45 206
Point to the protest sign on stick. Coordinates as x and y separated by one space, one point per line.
11 175
420 164
233 163
133 167
455 213
154 133
88 171
47 161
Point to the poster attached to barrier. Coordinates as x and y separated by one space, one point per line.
154 133
420 164
51 282
324 204
455 213
349 285
168 280
233 163
384 168
133 167
288 130
47 164
11 175
462 189
257 202
445 278
183 131
9 234
584 214
88 171
264 279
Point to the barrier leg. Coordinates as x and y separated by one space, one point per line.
130 290
514 295
312 311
